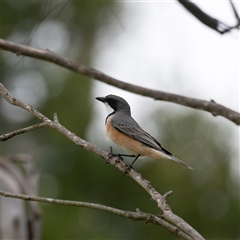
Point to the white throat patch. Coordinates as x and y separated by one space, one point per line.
108 108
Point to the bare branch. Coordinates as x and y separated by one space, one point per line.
20 104
235 11
137 216
207 19
7 136
212 107
117 162
167 194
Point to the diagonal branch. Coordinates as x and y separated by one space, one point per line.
7 136
207 19
209 106
136 216
235 11
158 198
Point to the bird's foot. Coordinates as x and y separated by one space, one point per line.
160 215
128 168
111 154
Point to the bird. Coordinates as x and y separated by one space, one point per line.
125 132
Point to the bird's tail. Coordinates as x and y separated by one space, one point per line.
179 161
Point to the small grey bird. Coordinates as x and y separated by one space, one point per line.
124 131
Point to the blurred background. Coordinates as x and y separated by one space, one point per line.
156 45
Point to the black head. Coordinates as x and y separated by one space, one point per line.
115 103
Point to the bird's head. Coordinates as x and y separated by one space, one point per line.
114 103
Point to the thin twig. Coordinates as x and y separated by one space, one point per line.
167 194
7 136
206 19
235 11
161 202
214 108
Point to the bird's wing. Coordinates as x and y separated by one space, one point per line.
130 127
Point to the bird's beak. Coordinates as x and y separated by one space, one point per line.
102 99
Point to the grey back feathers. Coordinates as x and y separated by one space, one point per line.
127 125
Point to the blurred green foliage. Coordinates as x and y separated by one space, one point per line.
207 198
